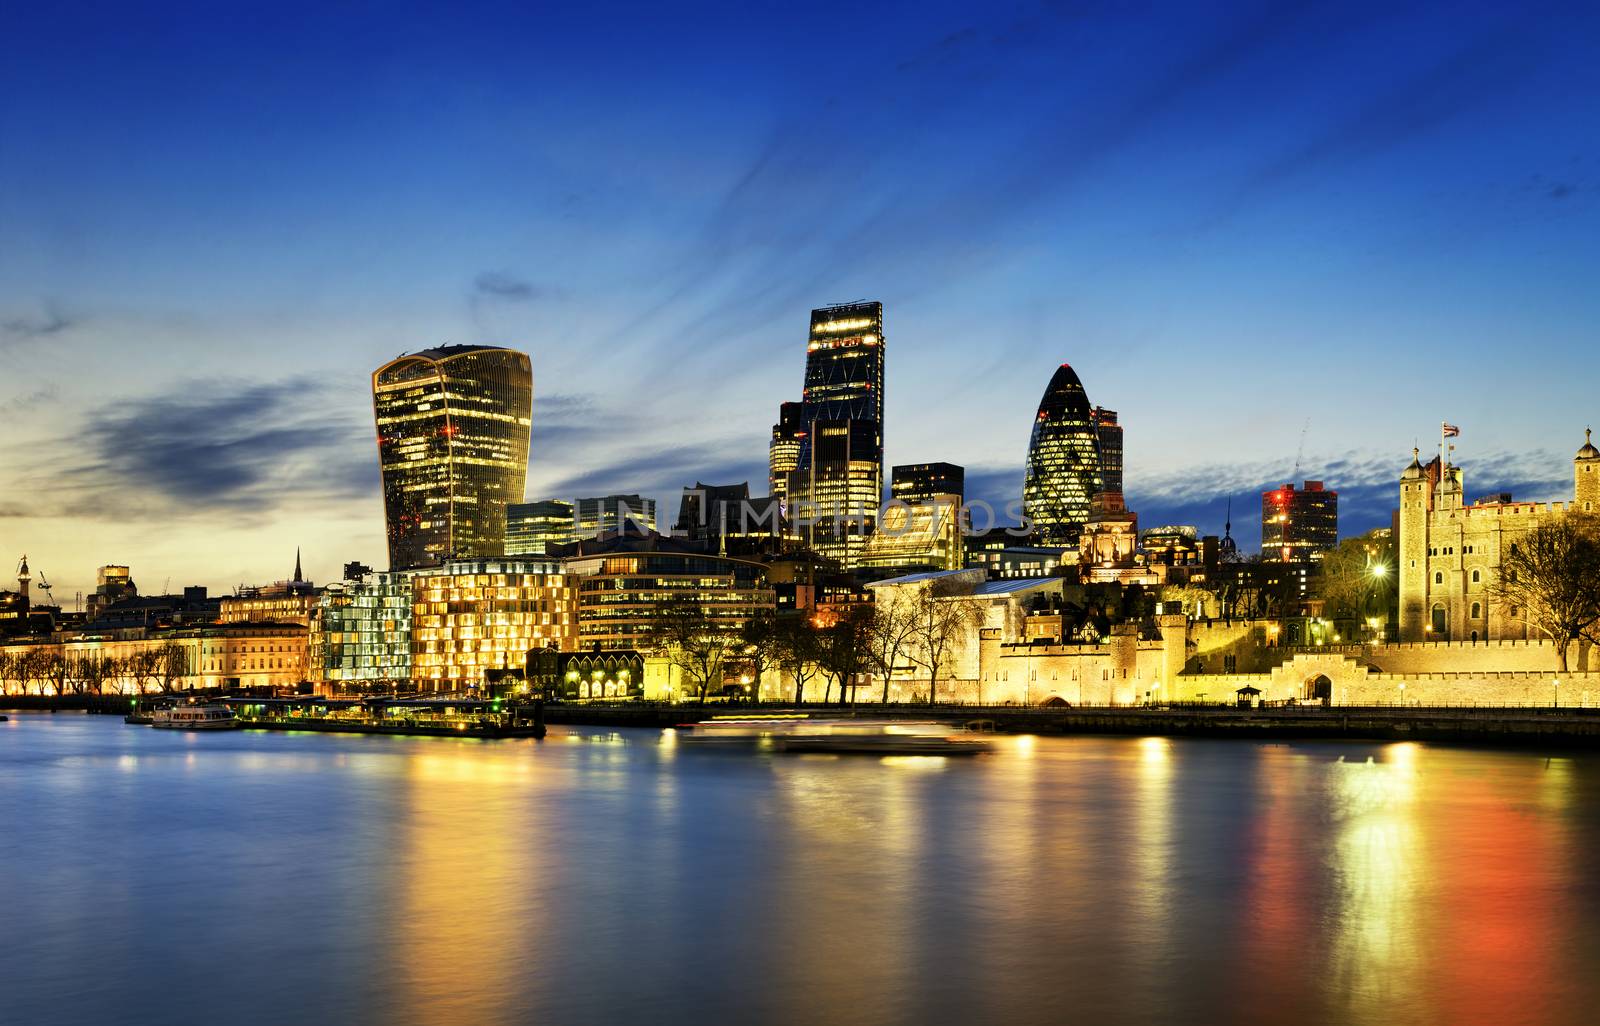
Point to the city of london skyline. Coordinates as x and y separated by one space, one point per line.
1321 289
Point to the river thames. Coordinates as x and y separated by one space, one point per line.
604 876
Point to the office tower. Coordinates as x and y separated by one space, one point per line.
473 616
607 513
783 453
923 534
912 483
531 527
453 444
1063 462
622 583
840 475
1297 524
1108 434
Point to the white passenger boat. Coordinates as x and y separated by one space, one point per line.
867 737
194 717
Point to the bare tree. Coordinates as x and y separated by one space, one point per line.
172 666
889 634
92 670
55 670
10 664
942 620
696 644
797 651
143 667
844 650
1550 580
758 640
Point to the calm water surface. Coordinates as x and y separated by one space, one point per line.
613 877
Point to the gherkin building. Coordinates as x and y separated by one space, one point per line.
1063 462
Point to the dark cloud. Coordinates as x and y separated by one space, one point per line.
17 330
1561 190
24 402
501 285
210 445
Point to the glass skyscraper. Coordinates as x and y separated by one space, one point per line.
783 453
838 484
1109 435
453 445
532 527
1063 462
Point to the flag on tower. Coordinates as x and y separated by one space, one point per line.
1450 431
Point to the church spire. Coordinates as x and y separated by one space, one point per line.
297 575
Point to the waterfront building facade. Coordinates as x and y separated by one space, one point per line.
622 581
1063 471
142 660
361 632
1298 524
1451 552
472 616
453 430
532 527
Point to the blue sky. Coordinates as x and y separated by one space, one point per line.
1242 224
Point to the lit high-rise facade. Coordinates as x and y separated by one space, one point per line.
1063 462
838 485
532 527
453 445
783 454
914 483
1297 524
474 616
1108 433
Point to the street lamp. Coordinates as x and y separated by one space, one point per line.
1555 699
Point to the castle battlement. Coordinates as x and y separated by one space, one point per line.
1514 509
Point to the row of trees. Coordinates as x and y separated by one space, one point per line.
841 651
52 671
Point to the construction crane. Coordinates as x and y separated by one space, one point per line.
44 586
1300 452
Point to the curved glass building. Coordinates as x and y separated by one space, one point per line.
453 429
1063 462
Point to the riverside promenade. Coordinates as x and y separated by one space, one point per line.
1531 726
1520 727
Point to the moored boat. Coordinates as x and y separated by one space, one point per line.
194 717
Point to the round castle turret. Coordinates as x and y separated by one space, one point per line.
1586 476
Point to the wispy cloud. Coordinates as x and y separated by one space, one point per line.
1367 483
49 322
501 285
205 446
663 473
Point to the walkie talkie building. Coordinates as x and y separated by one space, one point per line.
453 428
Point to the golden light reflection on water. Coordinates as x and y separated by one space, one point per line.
1059 879
462 880
1151 855
1377 867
